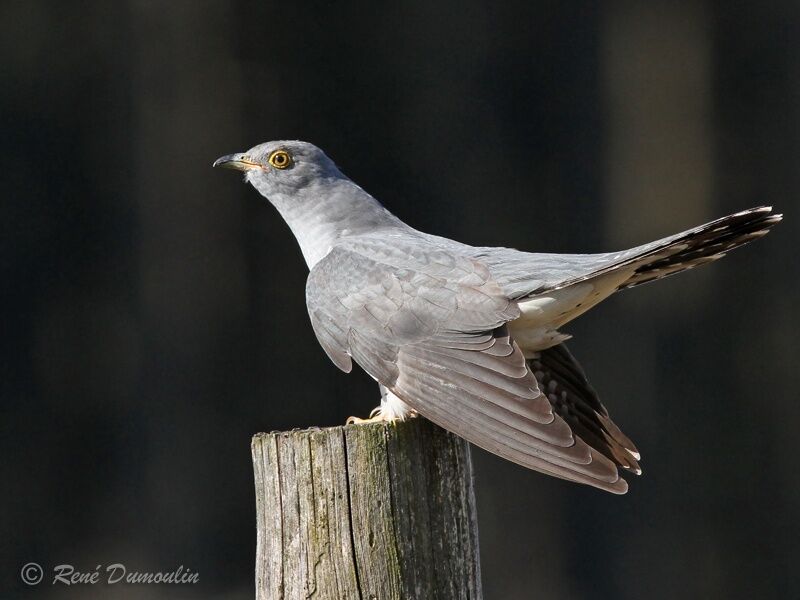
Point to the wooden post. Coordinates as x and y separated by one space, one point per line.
373 512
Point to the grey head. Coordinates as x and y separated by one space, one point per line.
282 167
319 203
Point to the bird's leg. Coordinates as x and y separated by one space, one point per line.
390 409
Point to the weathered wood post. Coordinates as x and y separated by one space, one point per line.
371 512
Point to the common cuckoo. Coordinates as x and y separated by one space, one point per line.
466 336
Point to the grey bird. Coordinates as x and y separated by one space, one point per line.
466 336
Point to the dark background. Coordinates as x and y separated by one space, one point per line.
149 301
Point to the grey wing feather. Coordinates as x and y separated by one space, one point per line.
430 326
328 334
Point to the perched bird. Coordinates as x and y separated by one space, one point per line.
468 336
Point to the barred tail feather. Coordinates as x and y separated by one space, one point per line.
700 245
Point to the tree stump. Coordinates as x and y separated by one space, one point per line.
374 512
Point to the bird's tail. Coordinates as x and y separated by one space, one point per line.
698 246
679 252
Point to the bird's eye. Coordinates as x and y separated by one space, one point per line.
280 159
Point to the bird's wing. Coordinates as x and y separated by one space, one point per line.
563 381
429 324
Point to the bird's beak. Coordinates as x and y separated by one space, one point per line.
239 162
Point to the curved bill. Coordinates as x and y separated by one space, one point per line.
238 162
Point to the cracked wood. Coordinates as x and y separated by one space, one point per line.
371 512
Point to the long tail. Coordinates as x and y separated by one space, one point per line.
701 245
676 253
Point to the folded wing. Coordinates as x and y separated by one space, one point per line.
430 326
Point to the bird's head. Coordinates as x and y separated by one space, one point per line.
281 168
319 204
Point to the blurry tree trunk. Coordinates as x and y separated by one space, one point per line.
657 72
380 511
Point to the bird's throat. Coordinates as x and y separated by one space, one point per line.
322 214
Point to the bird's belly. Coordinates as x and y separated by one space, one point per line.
540 317
532 340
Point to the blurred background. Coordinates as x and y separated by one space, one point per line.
148 300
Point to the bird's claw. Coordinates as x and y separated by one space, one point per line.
379 415
376 415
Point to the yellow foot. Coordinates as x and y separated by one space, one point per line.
375 416
381 415
391 409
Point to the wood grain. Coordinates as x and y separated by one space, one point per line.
373 512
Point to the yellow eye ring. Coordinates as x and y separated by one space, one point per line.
280 159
